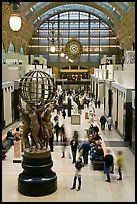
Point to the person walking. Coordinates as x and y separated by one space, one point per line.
103 121
62 132
120 161
64 146
99 102
108 164
57 129
78 168
109 122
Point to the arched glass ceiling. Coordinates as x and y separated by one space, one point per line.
125 6
95 36
74 16
109 7
36 7
70 7
105 5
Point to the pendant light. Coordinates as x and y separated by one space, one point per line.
15 19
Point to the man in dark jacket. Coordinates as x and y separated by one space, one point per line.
74 147
108 164
85 147
103 122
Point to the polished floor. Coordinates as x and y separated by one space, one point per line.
94 188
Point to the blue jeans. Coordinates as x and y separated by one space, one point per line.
107 170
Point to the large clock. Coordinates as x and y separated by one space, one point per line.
73 48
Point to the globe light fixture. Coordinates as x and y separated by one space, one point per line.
15 19
62 54
52 48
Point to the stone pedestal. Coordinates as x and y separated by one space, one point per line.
17 151
37 178
75 119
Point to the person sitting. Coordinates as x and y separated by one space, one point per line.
97 152
96 128
17 134
10 136
90 130
97 136
3 152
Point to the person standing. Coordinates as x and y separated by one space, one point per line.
85 147
51 140
120 161
99 102
103 121
64 113
109 122
95 102
64 145
74 147
78 175
108 164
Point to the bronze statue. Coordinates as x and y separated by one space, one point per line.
38 91
47 124
24 114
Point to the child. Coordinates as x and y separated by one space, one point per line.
78 166
120 160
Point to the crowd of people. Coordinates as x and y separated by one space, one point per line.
79 151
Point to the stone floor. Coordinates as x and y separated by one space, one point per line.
94 188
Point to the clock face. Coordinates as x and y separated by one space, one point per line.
74 48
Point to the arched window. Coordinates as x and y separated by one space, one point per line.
11 48
22 51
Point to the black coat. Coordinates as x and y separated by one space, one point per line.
108 159
103 119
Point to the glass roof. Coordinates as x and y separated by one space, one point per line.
125 6
110 8
71 7
36 7
105 5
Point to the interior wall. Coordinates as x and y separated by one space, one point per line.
114 104
120 111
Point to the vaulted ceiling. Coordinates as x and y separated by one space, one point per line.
119 16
